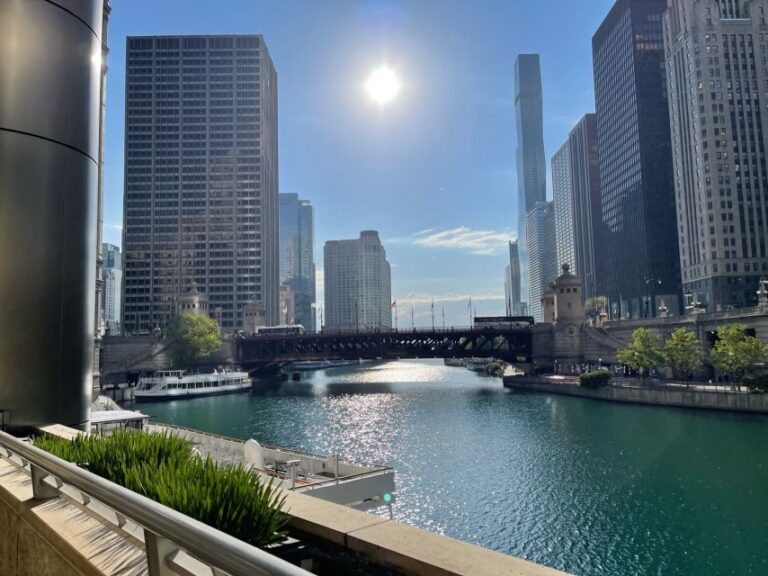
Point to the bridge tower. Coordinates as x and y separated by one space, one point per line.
569 316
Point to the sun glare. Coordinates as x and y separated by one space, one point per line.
383 86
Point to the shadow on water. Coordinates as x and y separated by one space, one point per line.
277 388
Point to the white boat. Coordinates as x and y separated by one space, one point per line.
477 364
176 385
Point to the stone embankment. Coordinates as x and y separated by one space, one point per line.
634 392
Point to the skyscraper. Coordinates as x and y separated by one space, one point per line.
562 197
542 252
358 285
297 256
112 287
585 187
201 177
716 66
531 163
636 180
512 281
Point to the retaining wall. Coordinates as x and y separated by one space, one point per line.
659 396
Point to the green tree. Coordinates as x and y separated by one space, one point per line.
644 352
736 352
192 339
682 352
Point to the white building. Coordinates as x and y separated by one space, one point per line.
358 287
111 292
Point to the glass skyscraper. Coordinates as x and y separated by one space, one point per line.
542 250
637 194
201 177
531 162
585 187
562 193
297 256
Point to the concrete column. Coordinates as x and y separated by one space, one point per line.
50 74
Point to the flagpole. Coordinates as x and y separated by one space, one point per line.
443 317
395 316
470 311
413 325
433 314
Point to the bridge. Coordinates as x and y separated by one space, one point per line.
513 345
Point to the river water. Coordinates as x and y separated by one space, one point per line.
588 487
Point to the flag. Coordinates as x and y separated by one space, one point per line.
393 305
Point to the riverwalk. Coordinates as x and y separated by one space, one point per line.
631 391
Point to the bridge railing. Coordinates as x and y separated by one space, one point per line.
365 331
166 532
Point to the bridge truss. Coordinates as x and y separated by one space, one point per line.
512 345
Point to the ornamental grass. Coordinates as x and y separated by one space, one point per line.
163 467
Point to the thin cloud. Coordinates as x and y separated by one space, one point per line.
480 242
425 299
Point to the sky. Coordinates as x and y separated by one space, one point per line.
433 171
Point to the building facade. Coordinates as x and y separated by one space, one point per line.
201 177
717 70
635 154
512 281
542 251
297 256
585 187
562 197
111 288
358 286
531 160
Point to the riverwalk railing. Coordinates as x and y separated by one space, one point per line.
166 531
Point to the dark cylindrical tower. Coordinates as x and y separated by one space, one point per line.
50 86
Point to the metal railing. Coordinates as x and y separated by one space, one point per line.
166 531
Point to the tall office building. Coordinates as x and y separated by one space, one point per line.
297 256
562 198
585 187
512 281
634 144
358 287
542 252
112 288
716 66
201 177
531 163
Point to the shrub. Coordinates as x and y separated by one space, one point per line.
163 468
598 379
757 382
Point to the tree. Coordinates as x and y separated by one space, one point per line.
736 352
644 352
192 339
682 352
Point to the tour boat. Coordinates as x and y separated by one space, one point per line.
176 385
477 364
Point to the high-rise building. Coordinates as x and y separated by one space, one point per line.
512 281
585 187
201 177
562 198
716 67
531 163
112 288
297 256
358 285
542 252
635 153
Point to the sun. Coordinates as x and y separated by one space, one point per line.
383 85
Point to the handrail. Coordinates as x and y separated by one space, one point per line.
164 525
